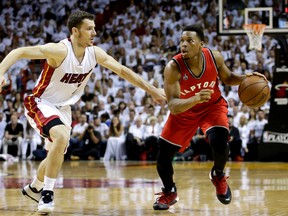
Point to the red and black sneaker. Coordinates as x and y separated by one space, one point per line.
166 199
223 191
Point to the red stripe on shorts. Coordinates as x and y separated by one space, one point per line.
35 113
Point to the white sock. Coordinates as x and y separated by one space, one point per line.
37 184
49 183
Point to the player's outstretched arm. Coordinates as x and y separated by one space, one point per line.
51 51
109 62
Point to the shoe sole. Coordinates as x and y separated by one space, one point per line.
223 200
45 209
28 196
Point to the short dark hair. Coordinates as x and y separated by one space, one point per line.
75 19
196 28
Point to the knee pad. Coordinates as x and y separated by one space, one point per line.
166 151
218 139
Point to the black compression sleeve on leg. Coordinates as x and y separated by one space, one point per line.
49 125
218 139
164 163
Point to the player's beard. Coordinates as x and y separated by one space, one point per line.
82 42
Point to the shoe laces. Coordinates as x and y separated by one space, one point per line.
221 184
165 197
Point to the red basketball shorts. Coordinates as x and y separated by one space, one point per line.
179 129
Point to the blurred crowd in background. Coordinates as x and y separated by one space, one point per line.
143 35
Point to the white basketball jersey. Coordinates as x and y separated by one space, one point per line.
65 84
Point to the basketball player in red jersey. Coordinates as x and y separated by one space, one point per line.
68 67
194 100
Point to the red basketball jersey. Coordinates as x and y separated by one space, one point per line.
180 128
208 79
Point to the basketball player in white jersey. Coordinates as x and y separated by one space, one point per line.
68 67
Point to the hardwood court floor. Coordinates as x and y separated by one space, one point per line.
127 188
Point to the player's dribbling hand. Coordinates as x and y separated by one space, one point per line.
2 82
257 74
204 95
159 96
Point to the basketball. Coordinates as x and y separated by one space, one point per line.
254 91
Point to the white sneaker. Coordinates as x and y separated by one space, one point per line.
46 204
31 193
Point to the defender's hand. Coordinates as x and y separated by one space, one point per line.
159 96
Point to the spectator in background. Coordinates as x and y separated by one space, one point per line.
140 70
90 148
9 110
134 142
235 142
17 102
87 96
122 108
76 115
259 125
2 129
119 96
244 131
32 138
151 133
31 82
115 143
244 110
76 139
252 147
150 112
129 120
134 95
105 118
229 94
103 129
13 136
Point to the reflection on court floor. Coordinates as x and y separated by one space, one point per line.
128 188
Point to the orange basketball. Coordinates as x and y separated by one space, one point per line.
254 91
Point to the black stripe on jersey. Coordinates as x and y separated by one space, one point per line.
177 65
203 67
213 60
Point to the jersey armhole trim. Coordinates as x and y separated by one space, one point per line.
63 59
177 64
95 56
213 58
